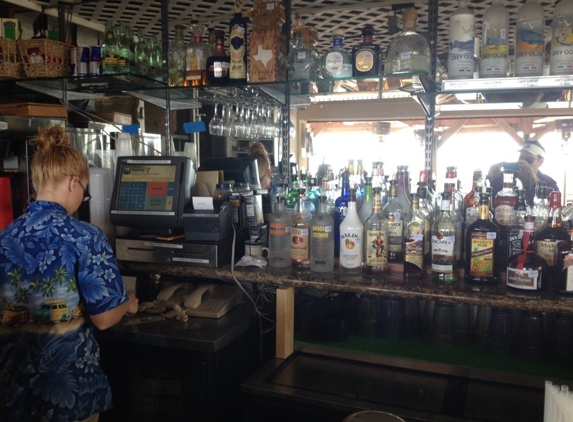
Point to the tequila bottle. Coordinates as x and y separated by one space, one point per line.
444 238
177 58
529 39
561 60
409 52
238 45
322 240
109 50
336 62
308 33
279 236
303 61
376 239
366 56
495 38
197 53
462 33
351 238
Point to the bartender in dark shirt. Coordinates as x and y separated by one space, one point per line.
531 157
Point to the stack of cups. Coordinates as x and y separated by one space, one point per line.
100 187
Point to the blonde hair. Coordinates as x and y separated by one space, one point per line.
259 152
54 158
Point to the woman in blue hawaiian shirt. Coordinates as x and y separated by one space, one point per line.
58 279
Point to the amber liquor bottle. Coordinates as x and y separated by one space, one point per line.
218 64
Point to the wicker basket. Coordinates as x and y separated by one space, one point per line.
10 65
44 58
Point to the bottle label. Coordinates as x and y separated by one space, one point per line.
523 279
561 61
322 245
334 62
364 61
376 248
548 250
514 238
529 47
395 230
414 250
567 286
350 250
504 214
481 254
237 50
279 229
494 59
299 243
443 251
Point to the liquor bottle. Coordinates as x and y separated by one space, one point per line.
470 200
394 213
409 52
561 61
482 247
109 50
238 45
529 39
462 33
340 208
376 239
403 185
322 240
444 238
279 236
415 232
472 212
495 42
351 238
141 56
217 65
308 33
300 231
177 60
157 58
424 209
541 208
457 197
553 239
565 283
366 56
336 62
527 270
515 229
505 200
366 205
303 60
197 53
123 53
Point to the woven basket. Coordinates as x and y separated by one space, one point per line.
10 66
44 58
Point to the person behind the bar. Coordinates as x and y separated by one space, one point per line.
258 151
531 156
59 280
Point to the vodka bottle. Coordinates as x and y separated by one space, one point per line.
336 62
177 56
561 61
279 236
197 53
482 247
366 56
376 239
462 35
300 231
409 52
414 241
444 238
366 206
322 240
495 37
238 45
109 50
351 238
529 39
394 213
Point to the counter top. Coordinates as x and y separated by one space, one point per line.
391 285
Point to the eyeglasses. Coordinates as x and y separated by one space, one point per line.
529 159
87 195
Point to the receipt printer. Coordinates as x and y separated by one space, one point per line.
208 225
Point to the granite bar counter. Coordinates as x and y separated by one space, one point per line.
391 285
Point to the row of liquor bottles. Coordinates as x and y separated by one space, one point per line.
484 242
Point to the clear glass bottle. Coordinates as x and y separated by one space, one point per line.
541 208
409 52
529 40
444 238
340 209
415 232
141 56
561 61
155 58
177 60
302 60
494 56
424 209
462 37
123 53
482 248
403 185
238 45
394 213
217 65
308 33
367 200
527 270
279 236
197 53
515 229
505 200
322 240
300 235
366 56
336 62
109 50
351 238
471 200
376 239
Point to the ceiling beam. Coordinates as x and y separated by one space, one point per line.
506 127
451 131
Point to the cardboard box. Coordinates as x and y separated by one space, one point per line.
11 29
267 53
33 109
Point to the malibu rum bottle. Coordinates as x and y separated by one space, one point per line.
482 247
351 238
376 239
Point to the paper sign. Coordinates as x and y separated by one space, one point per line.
202 203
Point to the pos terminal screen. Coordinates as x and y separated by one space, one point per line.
147 187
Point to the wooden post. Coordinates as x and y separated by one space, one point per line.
285 322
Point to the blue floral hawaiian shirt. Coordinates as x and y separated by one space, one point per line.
54 269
